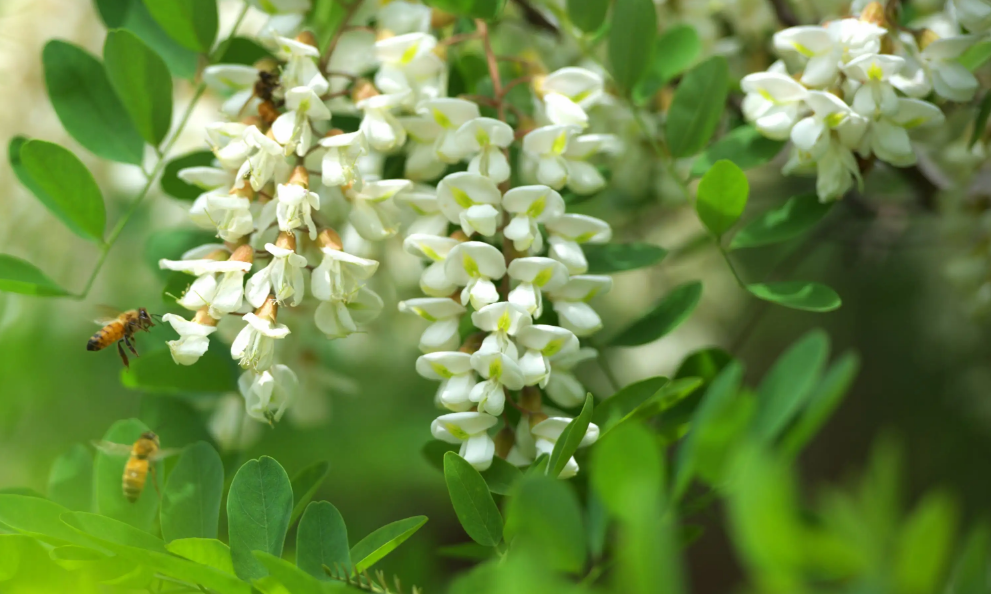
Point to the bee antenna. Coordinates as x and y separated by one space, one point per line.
156 316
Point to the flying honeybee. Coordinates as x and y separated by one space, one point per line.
120 327
140 462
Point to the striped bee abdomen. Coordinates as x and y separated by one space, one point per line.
105 336
135 474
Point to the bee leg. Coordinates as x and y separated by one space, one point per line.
123 355
154 480
128 341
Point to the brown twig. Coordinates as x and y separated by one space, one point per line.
453 39
516 81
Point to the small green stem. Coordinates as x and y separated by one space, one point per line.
729 263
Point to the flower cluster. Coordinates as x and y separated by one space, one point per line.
851 90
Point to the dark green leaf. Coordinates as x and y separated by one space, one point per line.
567 444
805 295
192 494
259 506
478 9
676 49
970 575
155 371
87 105
704 364
68 184
142 82
472 501
171 244
18 276
665 317
192 23
697 107
544 513
383 541
925 544
305 485
981 121
244 50
588 15
470 551
626 400
133 16
627 466
785 388
821 403
322 539
206 551
666 398
722 196
634 28
976 55
14 156
108 471
619 257
70 481
744 146
781 223
501 476
173 186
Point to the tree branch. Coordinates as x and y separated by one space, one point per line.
786 16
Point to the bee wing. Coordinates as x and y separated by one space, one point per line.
158 455
106 314
113 449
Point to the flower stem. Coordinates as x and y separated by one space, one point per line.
736 275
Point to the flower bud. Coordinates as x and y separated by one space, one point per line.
300 176
218 255
440 19
243 253
874 13
530 399
925 37
308 38
440 51
286 241
328 238
268 310
244 191
459 235
363 89
538 85
204 318
504 441
333 132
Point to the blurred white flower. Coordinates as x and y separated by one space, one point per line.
301 68
568 93
563 387
254 346
572 307
267 394
372 212
774 102
433 280
338 319
339 163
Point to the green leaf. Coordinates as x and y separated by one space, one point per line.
292 579
720 394
804 295
567 444
192 23
383 541
501 477
976 56
781 223
14 156
176 421
697 107
205 551
18 276
133 16
588 15
171 244
676 49
142 82
544 513
322 539
114 531
175 187
744 146
305 485
38 517
722 196
476 9
87 105
785 388
627 399
704 364
108 471
925 544
244 50
67 187
70 481
981 121
192 494
821 403
634 28
970 574
473 504
665 317
259 506
155 371
627 466
620 257
666 398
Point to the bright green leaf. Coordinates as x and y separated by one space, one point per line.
383 541
805 295
569 440
634 28
627 399
588 15
259 506
87 105
665 317
473 504
785 388
108 472
626 466
925 545
70 481
39 517
619 257
970 575
781 223
305 485
501 476
205 551
290 578
544 513
192 494
666 398
69 185
722 196
18 276
133 16
114 531
175 187
322 540
192 23
697 107
976 55
821 403
676 49
744 146
142 81
156 371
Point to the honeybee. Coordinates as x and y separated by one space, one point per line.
141 458
120 327
266 84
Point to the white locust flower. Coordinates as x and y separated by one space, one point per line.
193 341
373 214
500 373
267 162
254 346
546 146
530 206
502 320
826 138
937 68
301 68
433 279
230 426
571 302
283 277
294 128
474 265
568 93
219 284
339 319
774 102
457 378
422 200
888 136
583 177
267 394
563 387
237 81
471 200
381 128
207 178
295 204
422 163
444 315
468 429
876 94
973 15
542 342
226 140
448 115
229 214
409 65
826 48
400 17
340 275
568 232
536 276
339 164
485 138
547 432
